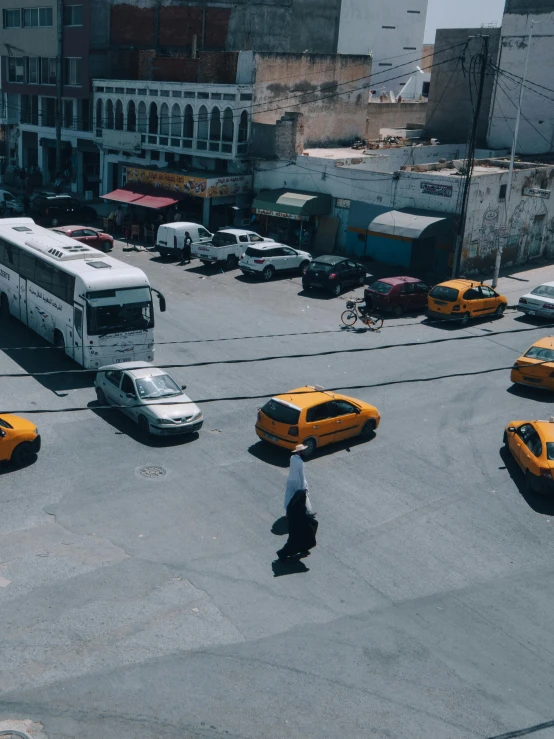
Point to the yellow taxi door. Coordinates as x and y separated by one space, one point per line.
320 424
347 420
474 302
490 299
521 439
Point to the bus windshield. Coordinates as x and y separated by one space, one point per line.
115 311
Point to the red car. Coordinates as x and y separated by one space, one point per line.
91 236
397 294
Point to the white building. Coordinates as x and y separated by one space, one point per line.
392 32
536 134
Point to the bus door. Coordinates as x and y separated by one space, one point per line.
19 307
78 328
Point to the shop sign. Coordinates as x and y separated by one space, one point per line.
202 187
536 192
275 214
433 188
342 203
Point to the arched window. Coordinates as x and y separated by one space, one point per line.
131 117
228 125
175 121
109 114
243 133
99 114
215 125
164 120
203 124
153 119
142 117
119 115
188 123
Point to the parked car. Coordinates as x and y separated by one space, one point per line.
265 260
536 367
227 246
150 397
333 273
91 236
464 299
539 302
9 204
531 443
60 209
170 237
315 418
397 294
19 440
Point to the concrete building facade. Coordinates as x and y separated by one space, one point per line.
536 134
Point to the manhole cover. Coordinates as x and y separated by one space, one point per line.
153 471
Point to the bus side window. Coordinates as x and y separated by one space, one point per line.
78 321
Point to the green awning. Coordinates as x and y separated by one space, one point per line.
292 204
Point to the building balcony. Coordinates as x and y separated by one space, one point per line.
200 119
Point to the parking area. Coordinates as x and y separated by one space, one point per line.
139 591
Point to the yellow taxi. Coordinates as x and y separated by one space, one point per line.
536 367
19 440
531 443
464 299
311 416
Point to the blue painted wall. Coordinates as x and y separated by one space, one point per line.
384 250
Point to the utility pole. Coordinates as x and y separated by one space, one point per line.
470 158
59 85
499 249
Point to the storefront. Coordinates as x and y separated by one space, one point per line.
210 199
290 216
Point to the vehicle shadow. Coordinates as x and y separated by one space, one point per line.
539 503
277 277
454 325
530 393
279 457
7 468
535 321
123 425
291 566
33 354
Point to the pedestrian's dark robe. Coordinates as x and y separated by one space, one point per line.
302 527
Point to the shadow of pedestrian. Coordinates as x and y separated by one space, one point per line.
280 527
290 567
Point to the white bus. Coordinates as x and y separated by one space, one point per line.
95 308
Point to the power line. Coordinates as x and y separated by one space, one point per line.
506 93
255 360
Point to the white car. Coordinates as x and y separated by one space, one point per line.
539 302
267 259
227 246
9 204
150 397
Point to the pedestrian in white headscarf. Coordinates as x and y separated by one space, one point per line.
297 477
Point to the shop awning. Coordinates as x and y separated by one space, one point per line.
403 225
126 195
292 204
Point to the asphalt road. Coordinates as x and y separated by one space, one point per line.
152 606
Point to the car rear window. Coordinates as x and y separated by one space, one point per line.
280 412
543 291
441 292
220 239
550 450
540 352
252 252
320 267
383 288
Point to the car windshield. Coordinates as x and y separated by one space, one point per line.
540 352
223 239
114 311
252 252
550 450
381 287
441 292
544 291
320 267
280 412
157 386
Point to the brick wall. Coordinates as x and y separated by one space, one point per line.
174 69
132 26
178 25
217 26
218 67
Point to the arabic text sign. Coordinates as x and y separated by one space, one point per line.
536 192
434 188
202 187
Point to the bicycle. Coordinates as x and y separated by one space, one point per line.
353 312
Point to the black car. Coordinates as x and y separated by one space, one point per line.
333 273
58 210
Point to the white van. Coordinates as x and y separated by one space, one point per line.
227 246
9 204
171 236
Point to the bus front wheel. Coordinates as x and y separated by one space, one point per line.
59 341
4 306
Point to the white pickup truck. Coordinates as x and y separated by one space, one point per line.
226 247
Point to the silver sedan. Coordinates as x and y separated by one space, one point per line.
150 397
